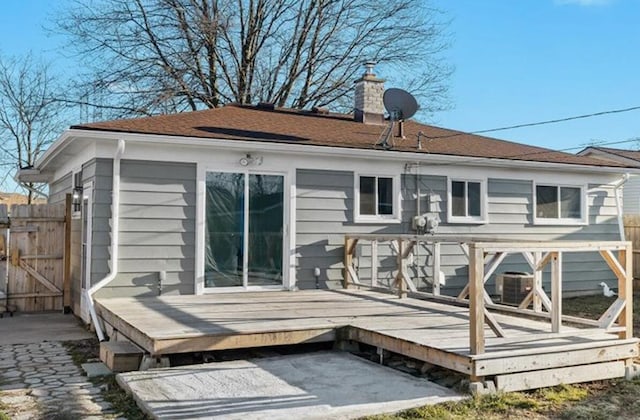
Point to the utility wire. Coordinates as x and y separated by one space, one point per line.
533 124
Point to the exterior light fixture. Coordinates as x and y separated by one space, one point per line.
250 160
76 198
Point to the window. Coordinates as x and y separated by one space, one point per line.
561 204
466 201
376 198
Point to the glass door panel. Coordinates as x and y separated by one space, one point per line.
224 229
266 219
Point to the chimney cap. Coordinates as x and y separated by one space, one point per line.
369 65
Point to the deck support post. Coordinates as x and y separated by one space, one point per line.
402 284
476 299
537 282
625 292
349 252
556 292
374 263
436 269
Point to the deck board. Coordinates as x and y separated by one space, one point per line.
421 321
439 331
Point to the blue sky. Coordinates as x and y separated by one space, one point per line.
516 62
526 61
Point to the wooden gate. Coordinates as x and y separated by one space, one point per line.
36 269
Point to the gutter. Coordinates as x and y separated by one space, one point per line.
617 187
115 233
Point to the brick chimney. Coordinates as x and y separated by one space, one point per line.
368 107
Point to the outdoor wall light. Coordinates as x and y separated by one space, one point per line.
76 198
250 160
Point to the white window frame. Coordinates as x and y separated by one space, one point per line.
482 219
565 221
377 218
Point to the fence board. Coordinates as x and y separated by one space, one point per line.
632 233
36 245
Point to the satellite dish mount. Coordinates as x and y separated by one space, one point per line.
400 105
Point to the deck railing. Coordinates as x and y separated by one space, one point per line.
484 258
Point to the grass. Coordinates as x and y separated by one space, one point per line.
124 405
593 306
602 400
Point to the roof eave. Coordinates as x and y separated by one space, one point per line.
268 146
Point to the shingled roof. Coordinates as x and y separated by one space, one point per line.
256 123
625 153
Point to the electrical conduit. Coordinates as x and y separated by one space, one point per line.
115 233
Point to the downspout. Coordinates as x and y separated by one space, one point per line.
115 233
616 188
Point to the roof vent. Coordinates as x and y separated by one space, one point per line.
266 105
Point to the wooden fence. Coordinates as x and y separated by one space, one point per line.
37 270
632 234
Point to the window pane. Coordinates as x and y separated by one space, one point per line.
385 196
547 202
457 199
266 198
367 195
570 202
473 193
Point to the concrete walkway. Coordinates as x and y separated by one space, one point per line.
38 378
309 386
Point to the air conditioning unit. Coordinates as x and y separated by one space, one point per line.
512 287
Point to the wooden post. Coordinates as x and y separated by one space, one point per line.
556 292
348 261
402 285
374 263
537 282
436 268
476 299
66 279
625 292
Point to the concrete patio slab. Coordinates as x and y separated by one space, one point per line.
308 386
36 328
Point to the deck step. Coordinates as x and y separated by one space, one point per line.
565 375
120 356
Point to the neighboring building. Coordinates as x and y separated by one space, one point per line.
631 189
256 197
16 198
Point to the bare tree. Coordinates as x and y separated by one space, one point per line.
150 56
30 113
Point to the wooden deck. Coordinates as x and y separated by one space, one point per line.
528 356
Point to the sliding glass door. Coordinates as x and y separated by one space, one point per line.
243 229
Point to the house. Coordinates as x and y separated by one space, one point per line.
260 198
631 189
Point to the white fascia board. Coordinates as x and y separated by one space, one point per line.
288 148
61 142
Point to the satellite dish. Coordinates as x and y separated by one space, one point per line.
400 104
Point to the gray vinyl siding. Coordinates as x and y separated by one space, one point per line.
325 213
631 195
60 188
98 172
157 229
